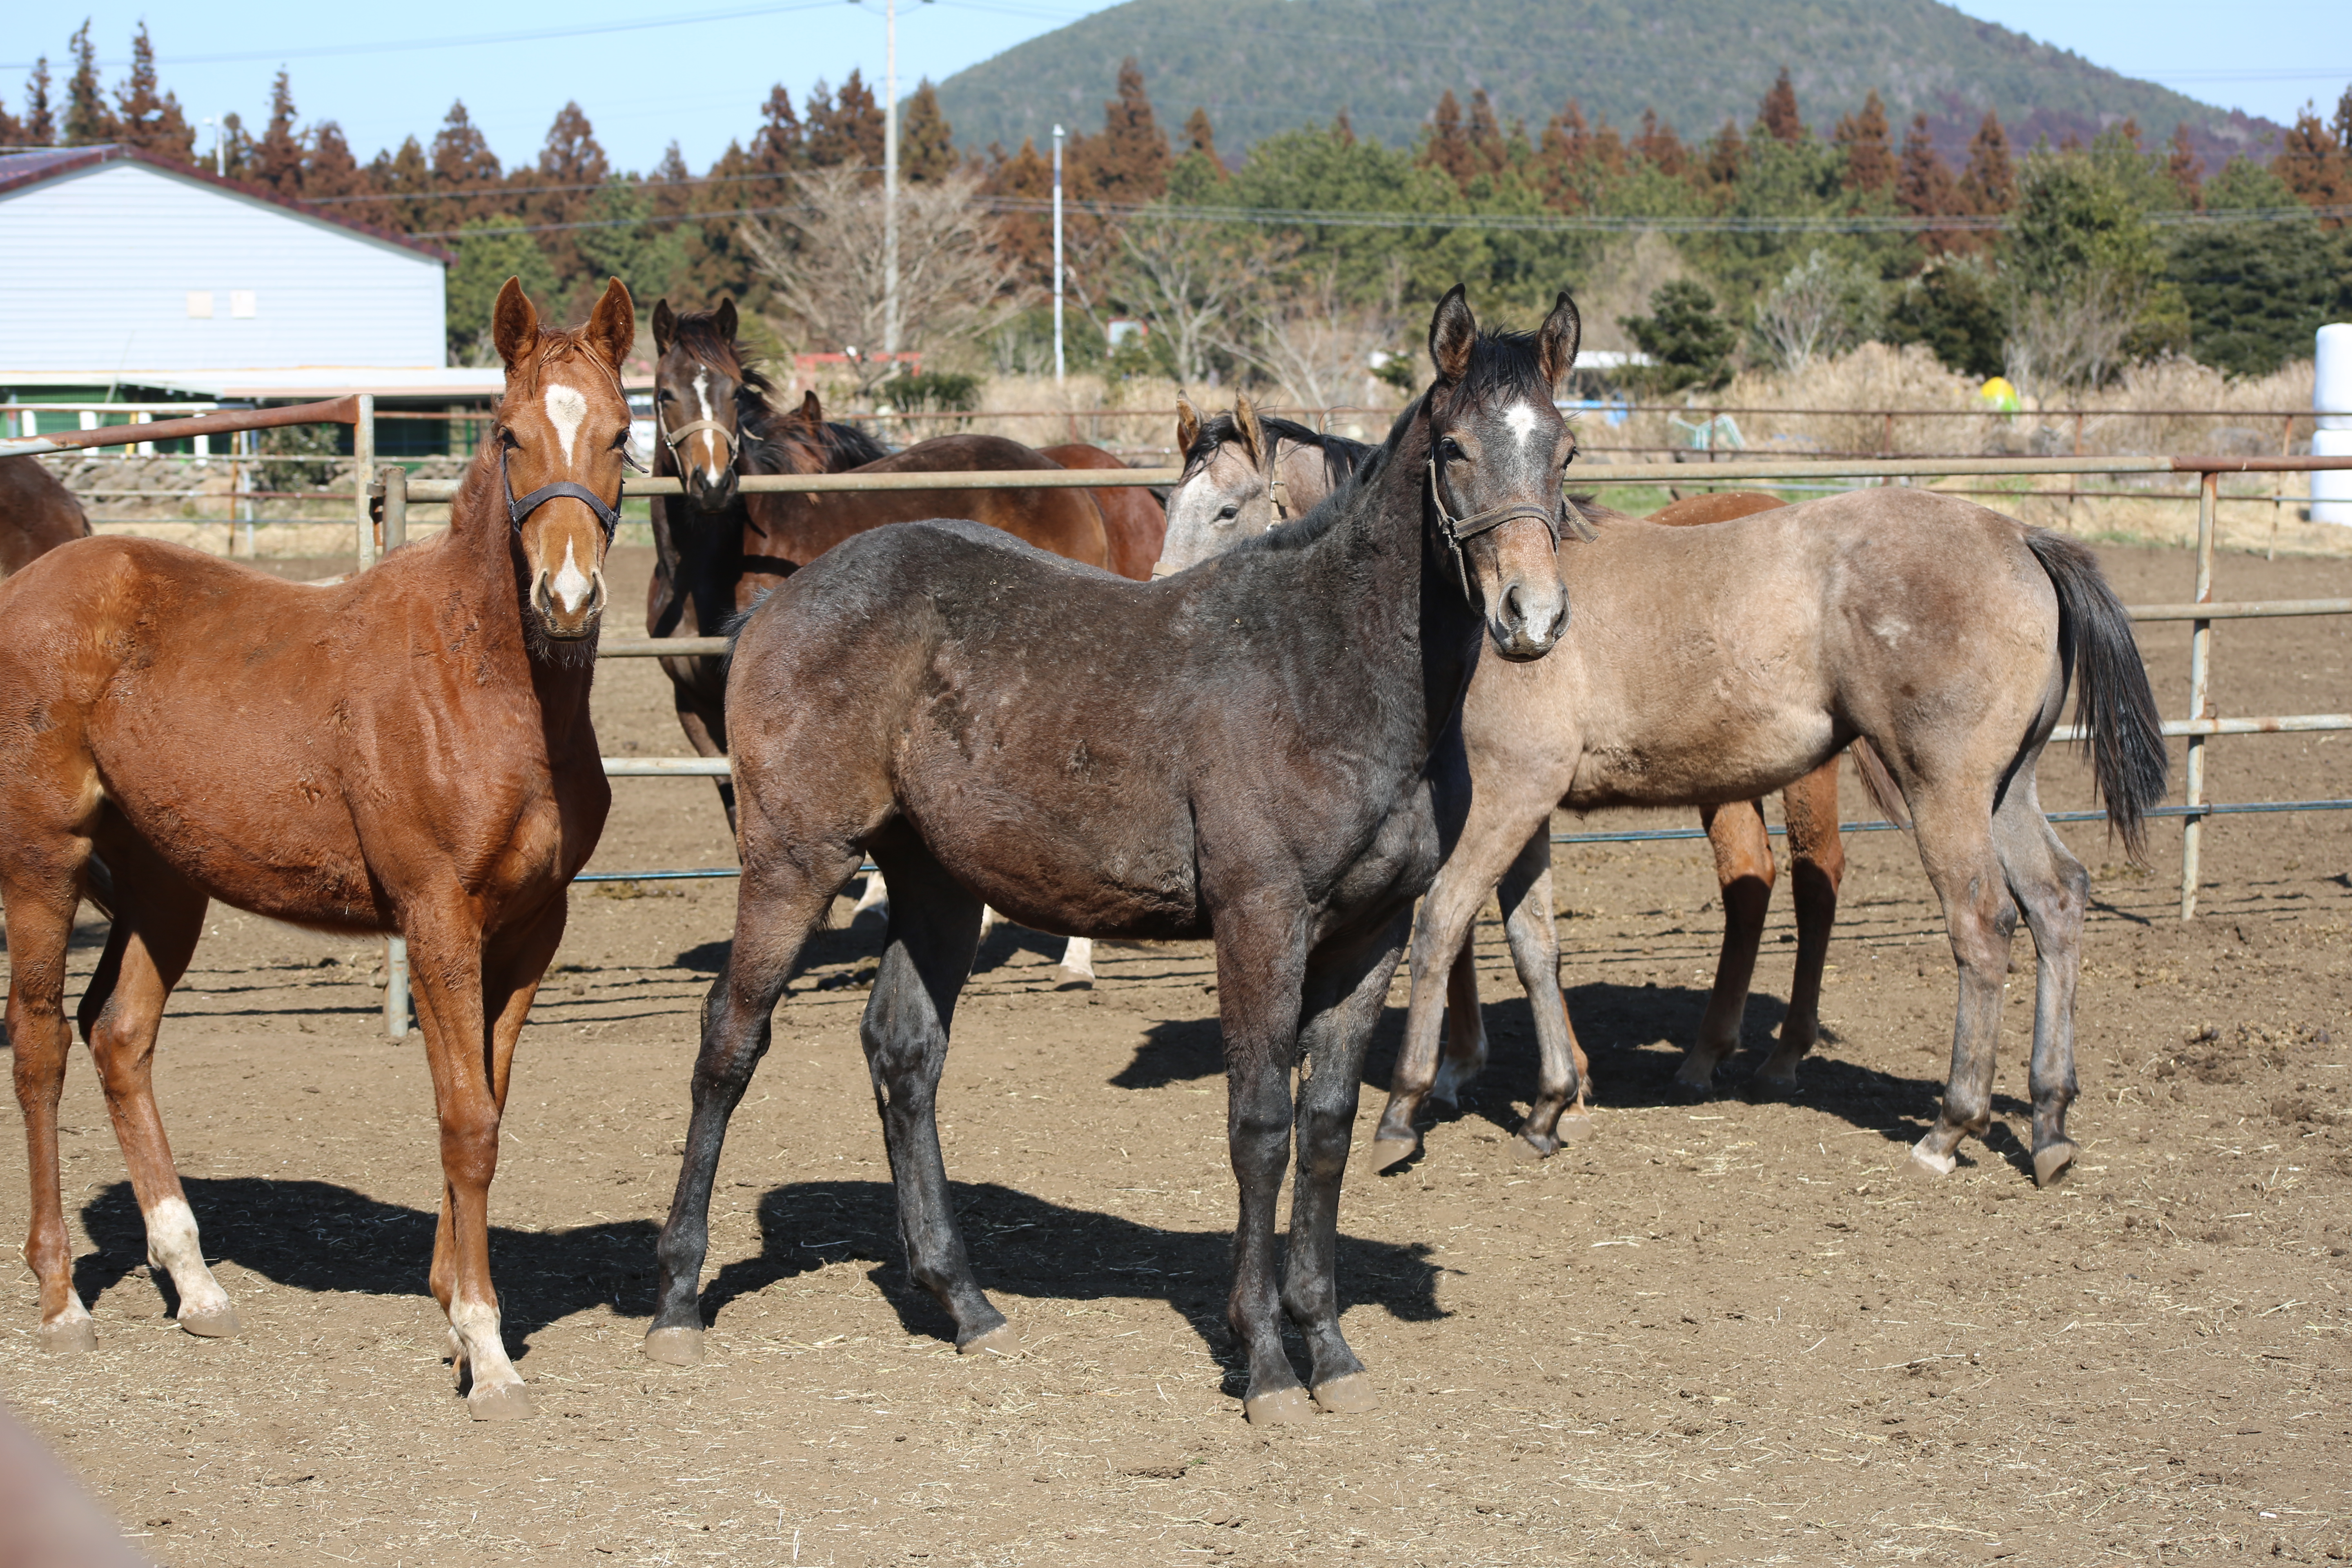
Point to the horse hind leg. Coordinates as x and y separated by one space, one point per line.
1078 962
777 908
2054 891
146 954
934 931
1744 871
1957 847
1816 871
39 909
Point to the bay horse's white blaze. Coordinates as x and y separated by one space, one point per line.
566 407
1521 421
714 462
571 584
173 1247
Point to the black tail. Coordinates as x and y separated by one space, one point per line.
2112 703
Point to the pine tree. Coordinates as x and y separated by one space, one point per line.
278 157
844 130
40 122
2185 169
1866 139
151 119
1200 137
1990 184
1128 164
1923 188
779 146
403 180
1778 116
331 174
1026 235
1660 147
1446 146
1489 155
2315 163
572 167
1343 130
1724 156
670 187
462 163
89 122
926 142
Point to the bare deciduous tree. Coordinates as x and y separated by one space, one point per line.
1819 309
2076 336
1189 279
824 257
1311 340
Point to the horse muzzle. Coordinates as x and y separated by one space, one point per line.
568 604
709 490
1529 616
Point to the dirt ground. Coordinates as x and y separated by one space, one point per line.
1690 1337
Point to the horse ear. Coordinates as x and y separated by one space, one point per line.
811 410
1556 340
665 326
1253 433
612 324
726 319
1453 331
1188 426
514 324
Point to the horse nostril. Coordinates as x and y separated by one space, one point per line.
1512 606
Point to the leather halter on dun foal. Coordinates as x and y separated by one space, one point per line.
407 752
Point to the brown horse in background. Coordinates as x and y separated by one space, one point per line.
407 753
37 513
1136 522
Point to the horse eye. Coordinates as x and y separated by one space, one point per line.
1449 448
1228 512
664 394
507 439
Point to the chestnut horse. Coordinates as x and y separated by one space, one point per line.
407 753
1248 759
1244 472
1133 517
37 513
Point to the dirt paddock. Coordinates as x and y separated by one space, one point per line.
1700 1335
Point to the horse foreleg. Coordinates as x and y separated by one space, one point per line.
1440 935
1079 961
1744 871
1465 1058
776 909
146 954
1816 869
446 978
1531 926
876 896
41 913
706 731
1261 966
1343 994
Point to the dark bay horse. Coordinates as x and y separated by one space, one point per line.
1249 758
1132 516
409 752
1717 663
37 513
1242 473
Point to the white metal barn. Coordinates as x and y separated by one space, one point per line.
118 262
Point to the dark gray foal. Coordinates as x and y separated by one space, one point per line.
1247 757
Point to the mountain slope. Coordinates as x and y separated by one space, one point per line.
1261 66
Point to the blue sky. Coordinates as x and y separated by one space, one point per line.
699 75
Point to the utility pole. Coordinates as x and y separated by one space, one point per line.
889 176
220 158
1057 255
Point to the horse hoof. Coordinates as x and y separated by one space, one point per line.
67 1336
1280 1409
1528 1147
1926 1161
1351 1394
1388 1153
211 1323
2052 1162
1002 1340
675 1347
501 1402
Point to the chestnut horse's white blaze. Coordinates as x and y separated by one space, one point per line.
571 584
565 410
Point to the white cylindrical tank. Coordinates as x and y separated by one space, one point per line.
2331 400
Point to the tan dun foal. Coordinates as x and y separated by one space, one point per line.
409 752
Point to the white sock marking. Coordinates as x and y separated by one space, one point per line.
172 1245
1522 421
566 407
571 584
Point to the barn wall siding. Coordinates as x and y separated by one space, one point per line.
99 266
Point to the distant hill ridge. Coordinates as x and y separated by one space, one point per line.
1262 67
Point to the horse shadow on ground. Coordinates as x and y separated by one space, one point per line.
859 944
319 1237
1634 1037
1029 1246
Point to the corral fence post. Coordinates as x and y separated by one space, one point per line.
392 488
362 465
2201 649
